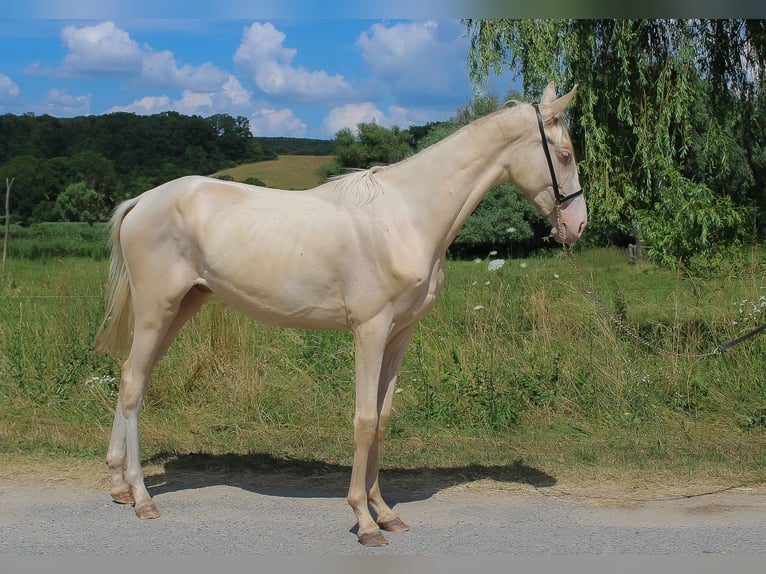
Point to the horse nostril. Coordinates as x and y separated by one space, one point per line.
581 229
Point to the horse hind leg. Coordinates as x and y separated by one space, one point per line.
150 342
115 459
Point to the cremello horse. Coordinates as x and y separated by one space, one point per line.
364 253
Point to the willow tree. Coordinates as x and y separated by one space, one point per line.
660 118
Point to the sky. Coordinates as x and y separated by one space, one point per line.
295 68
296 74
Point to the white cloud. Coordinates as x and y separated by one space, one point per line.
38 69
350 115
386 48
106 49
283 123
229 98
406 117
145 106
100 49
160 68
237 95
195 103
58 102
9 91
415 59
264 58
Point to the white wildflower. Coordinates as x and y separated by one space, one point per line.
523 264
96 381
495 264
478 307
107 383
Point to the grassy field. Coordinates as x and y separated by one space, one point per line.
513 365
294 172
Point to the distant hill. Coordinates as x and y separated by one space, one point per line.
296 146
294 172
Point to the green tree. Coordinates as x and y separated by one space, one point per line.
234 137
641 86
375 145
78 202
36 184
97 172
504 221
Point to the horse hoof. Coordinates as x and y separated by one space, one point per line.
124 497
394 525
372 539
147 510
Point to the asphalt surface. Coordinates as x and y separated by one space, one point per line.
230 516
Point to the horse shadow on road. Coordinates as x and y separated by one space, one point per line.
288 477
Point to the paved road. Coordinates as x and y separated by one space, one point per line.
229 516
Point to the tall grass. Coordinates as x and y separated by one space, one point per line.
516 363
43 240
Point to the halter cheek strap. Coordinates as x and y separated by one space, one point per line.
559 197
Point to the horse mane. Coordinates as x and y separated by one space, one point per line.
360 185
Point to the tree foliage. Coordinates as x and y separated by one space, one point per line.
374 145
668 117
120 155
78 202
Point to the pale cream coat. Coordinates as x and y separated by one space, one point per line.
364 253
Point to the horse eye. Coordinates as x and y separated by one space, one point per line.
565 156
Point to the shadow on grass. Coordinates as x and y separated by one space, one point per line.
274 476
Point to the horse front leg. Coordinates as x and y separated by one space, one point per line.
386 518
370 341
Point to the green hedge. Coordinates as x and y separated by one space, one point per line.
42 240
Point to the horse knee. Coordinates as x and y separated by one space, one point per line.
365 428
382 427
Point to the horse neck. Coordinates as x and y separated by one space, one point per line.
442 185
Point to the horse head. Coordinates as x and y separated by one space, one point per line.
545 168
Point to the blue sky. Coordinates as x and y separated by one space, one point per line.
296 73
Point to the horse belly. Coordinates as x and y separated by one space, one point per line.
283 302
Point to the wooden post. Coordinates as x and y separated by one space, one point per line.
8 184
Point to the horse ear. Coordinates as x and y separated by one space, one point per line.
553 109
549 94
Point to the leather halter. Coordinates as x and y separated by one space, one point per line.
559 197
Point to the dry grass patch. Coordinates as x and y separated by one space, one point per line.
294 172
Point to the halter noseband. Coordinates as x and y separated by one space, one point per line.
559 198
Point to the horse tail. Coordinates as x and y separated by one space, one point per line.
114 334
